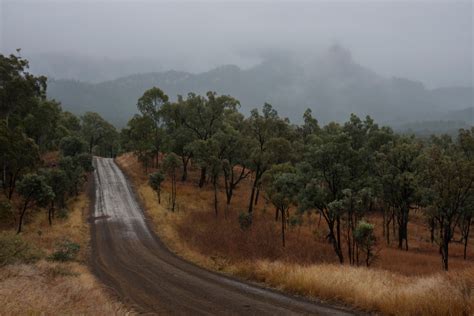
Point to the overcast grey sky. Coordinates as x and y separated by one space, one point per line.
430 41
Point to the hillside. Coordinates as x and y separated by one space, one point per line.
333 85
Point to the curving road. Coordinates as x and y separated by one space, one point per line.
133 262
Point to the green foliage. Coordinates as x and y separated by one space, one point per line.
65 250
245 220
171 163
101 137
365 238
6 211
84 161
62 213
295 220
72 146
34 188
13 249
155 179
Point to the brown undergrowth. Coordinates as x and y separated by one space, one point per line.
55 288
398 283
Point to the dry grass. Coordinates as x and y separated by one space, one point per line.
75 228
370 289
49 288
56 288
399 283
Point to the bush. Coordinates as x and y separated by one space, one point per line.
6 211
13 249
295 220
245 220
65 251
62 213
365 238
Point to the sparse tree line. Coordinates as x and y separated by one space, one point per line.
344 172
31 127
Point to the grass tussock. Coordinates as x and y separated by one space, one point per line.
398 283
32 287
49 289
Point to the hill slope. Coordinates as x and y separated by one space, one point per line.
332 85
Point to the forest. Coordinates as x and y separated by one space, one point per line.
34 129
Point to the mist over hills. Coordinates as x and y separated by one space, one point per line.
87 68
333 85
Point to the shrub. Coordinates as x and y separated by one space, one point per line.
13 249
295 220
245 220
65 251
6 211
62 213
365 238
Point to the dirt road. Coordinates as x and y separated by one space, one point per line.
133 262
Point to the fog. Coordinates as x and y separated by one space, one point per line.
426 41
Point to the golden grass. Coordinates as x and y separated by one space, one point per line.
399 283
56 288
369 289
49 288
75 228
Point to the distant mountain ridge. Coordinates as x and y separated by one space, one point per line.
332 85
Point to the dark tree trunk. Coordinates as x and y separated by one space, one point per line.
257 195
445 246
50 214
202 179
283 227
215 194
184 177
432 229
22 214
403 228
466 232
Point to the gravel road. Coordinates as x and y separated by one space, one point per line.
130 259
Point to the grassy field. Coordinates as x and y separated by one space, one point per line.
51 288
398 283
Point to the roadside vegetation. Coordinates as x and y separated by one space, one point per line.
45 160
259 189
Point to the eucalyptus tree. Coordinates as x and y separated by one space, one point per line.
149 105
155 180
179 137
34 191
281 184
400 174
233 151
138 137
74 173
20 91
94 129
366 240
170 166
450 179
72 146
268 145
42 123
326 173
57 180
19 155
204 116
